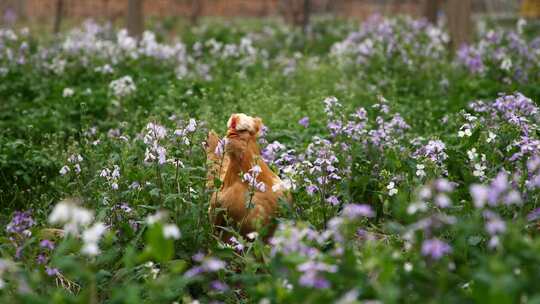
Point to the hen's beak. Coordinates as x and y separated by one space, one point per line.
231 133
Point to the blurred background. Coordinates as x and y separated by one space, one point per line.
136 15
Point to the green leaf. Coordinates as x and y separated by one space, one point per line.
157 246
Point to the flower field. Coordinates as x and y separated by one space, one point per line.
413 170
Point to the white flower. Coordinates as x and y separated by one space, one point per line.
105 172
157 217
61 213
479 170
72 216
90 249
154 272
116 172
416 207
122 87
283 185
408 267
171 231
472 154
149 264
154 132
94 233
491 137
256 169
470 117
68 92
252 235
466 132
391 189
420 170
57 65
91 237
506 64
64 170
111 176
520 25
106 69
75 158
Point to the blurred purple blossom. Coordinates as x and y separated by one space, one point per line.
219 286
435 248
20 222
304 122
51 271
47 244
354 211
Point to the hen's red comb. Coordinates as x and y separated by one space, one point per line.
233 122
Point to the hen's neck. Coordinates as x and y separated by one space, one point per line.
243 162
237 166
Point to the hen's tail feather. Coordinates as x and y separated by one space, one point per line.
217 164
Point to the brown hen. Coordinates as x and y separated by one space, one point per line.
236 203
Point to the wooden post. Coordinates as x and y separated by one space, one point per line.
459 21
196 11
306 15
58 16
135 18
430 10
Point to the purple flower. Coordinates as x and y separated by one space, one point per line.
479 194
311 274
213 264
443 201
311 189
47 244
194 271
154 151
41 259
312 279
236 244
125 208
443 185
198 257
220 148
499 190
533 215
435 248
51 271
20 222
354 211
334 127
251 179
495 226
269 152
333 200
433 150
304 122
219 286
